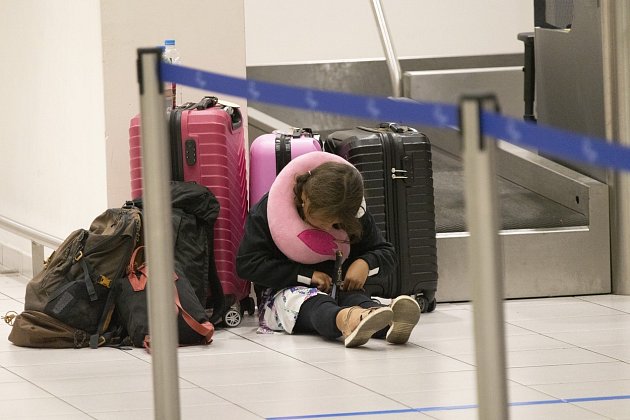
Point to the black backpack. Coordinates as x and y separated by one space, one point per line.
194 212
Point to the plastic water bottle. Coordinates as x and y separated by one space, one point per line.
171 56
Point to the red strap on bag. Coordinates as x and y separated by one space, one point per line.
206 329
137 284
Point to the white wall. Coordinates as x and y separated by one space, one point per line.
70 88
69 81
292 31
52 169
210 35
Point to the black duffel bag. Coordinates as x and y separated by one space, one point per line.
193 325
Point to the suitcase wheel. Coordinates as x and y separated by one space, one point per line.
432 305
232 318
426 305
248 305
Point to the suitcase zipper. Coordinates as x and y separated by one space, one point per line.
402 209
391 197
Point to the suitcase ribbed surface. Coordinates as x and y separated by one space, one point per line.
135 157
220 166
402 207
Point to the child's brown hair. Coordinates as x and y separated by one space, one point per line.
335 192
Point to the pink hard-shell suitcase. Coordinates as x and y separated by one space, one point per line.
269 153
208 146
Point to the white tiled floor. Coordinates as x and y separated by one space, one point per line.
568 358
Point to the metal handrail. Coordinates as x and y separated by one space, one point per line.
393 65
29 233
38 239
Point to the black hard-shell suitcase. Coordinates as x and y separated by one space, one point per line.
395 162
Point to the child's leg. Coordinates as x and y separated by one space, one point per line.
360 298
323 315
318 314
357 298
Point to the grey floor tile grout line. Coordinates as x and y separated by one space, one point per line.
573 346
334 375
244 342
602 305
57 397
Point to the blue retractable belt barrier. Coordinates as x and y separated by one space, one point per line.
555 142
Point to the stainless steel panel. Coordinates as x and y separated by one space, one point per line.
527 169
545 177
539 262
368 77
449 85
569 77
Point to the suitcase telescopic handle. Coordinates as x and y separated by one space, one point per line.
296 132
299 132
210 102
205 103
389 126
396 128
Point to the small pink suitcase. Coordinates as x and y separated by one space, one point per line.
270 153
208 147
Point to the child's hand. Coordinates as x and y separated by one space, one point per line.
322 281
356 275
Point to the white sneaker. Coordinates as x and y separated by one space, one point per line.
406 316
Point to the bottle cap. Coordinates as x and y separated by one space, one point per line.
169 42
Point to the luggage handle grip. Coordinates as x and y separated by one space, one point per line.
205 103
211 101
396 128
389 126
235 116
296 132
299 132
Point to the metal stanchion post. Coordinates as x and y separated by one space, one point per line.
158 236
616 66
484 259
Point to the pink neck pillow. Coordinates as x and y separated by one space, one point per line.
298 240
